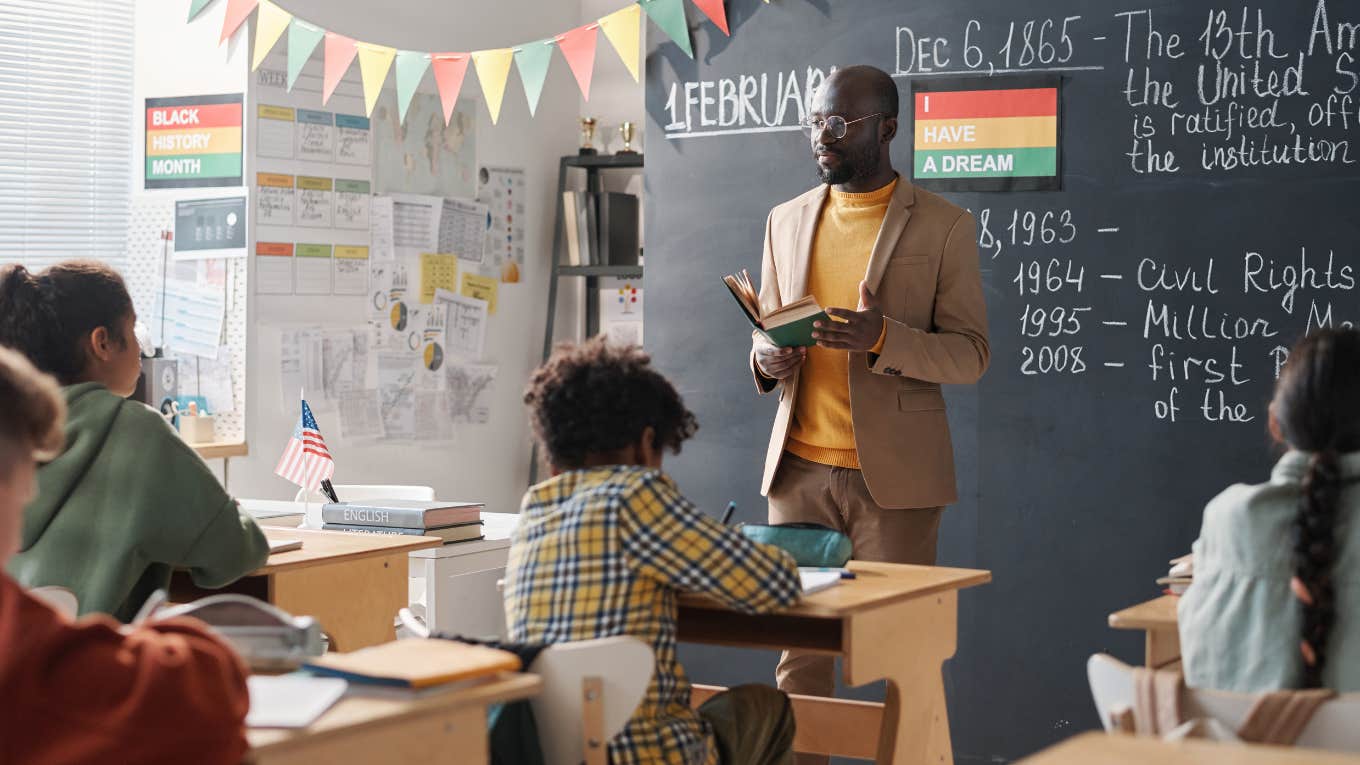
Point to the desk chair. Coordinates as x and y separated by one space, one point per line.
590 690
357 491
60 598
1332 726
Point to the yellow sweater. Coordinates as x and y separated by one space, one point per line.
822 429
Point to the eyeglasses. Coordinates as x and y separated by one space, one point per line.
834 124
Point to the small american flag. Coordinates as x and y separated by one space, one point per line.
306 462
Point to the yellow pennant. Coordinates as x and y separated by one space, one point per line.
493 68
269 27
622 27
375 61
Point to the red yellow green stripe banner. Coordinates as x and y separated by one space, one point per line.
193 141
986 133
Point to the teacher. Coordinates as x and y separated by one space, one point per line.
861 442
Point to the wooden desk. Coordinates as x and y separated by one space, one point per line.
223 450
894 622
353 584
446 727
1157 619
1104 749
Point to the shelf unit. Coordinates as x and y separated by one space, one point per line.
592 164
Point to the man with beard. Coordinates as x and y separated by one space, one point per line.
861 442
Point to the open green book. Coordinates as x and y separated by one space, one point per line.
786 326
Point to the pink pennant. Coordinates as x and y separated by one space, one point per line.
340 53
449 69
237 13
714 10
578 47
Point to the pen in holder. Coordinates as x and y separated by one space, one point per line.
195 428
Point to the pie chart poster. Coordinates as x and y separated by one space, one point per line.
993 134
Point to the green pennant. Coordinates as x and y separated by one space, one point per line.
411 68
196 7
533 59
670 16
302 40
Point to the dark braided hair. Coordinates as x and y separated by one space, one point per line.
47 316
1317 407
597 398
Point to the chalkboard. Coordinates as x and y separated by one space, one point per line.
1207 218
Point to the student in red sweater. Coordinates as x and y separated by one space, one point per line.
95 690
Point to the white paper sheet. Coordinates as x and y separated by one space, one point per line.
314 207
273 273
188 318
381 244
396 391
462 229
361 415
300 367
273 205
415 222
352 204
290 701
353 141
351 270
468 390
504 191
465 325
274 138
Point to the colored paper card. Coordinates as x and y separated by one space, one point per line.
375 61
237 13
273 268
302 40
670 16
482 288
533 60
339 54
985 135
312 269
196 7
449 69
578 47
623 30
350 270
411 68
274 132
715 11
270 24
193 141
493 69
438 271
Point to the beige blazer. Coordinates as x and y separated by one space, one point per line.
924 271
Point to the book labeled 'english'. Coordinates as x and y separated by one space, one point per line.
401 513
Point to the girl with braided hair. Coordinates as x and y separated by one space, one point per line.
1275 602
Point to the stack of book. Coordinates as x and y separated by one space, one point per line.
601 228
450 521
1180 576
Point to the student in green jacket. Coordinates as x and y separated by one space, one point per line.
127 500
1275 603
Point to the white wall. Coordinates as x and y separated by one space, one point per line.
488 462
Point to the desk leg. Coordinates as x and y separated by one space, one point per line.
1162 647
907 645
356 601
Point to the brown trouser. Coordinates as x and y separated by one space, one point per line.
807 492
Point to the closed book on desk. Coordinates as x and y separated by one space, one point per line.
459 532
403 513
415 663
787 326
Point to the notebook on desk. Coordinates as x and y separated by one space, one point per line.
415 663
290 701
284 545
816 581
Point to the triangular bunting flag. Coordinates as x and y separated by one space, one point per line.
621 28
449 69
533 60
375 61
340 52
670 16
715 11
237 13
196 7
578 47
302 40
493 69
269 26
411 68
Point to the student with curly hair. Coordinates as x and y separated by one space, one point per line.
127 500
93 690
605 545
1275 602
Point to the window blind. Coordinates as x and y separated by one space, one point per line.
66 129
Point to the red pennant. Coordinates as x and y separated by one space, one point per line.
237 13
715 11
578 47
449 69
340 53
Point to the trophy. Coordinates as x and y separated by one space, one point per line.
626 131
587 135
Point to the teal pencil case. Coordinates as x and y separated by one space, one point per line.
811 544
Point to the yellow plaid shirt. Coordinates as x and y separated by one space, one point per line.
603 552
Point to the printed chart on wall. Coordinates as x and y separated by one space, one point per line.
502 190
